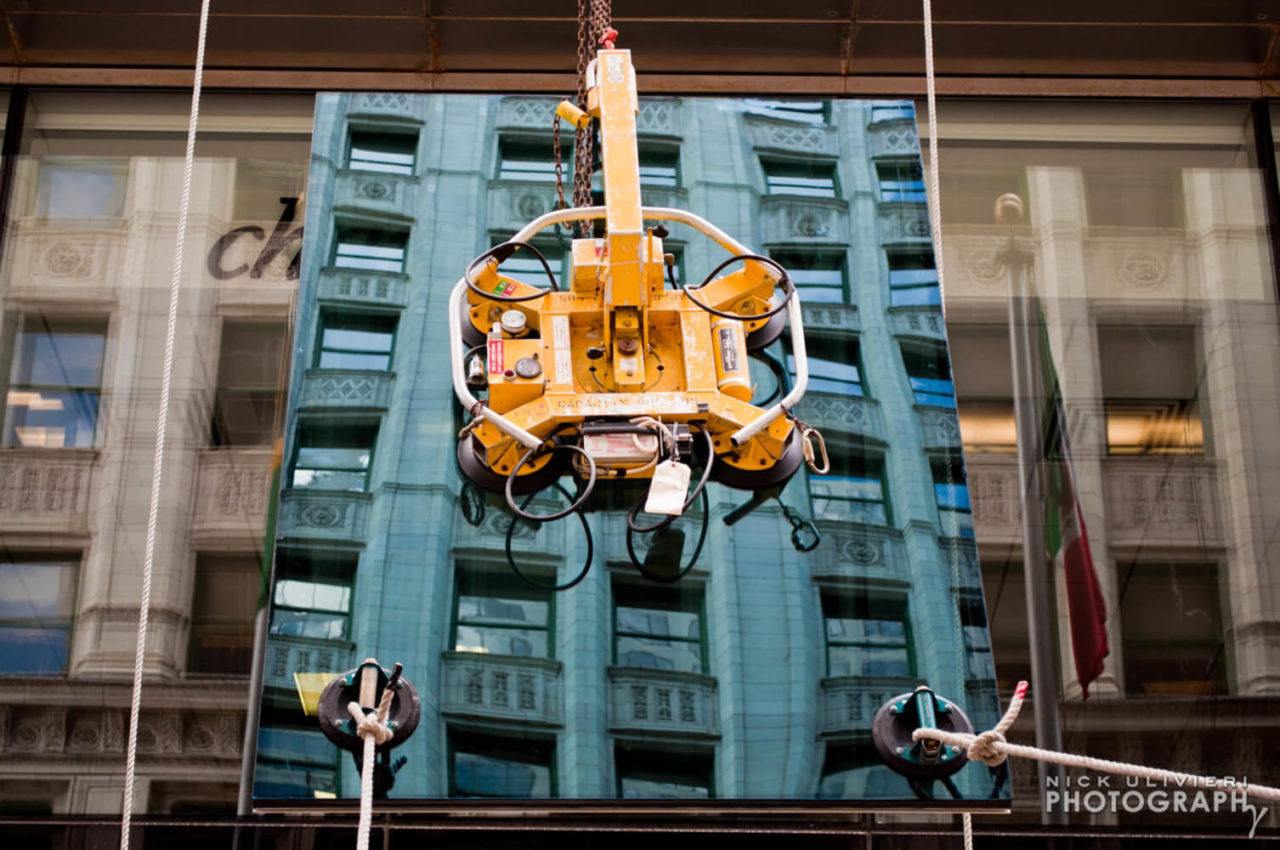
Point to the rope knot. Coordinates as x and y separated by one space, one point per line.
373 724
983 748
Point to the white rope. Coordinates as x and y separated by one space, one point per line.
992 749
935 203
375 732
157 468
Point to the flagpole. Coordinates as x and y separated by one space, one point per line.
1023 353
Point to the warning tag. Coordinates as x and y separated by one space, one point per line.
668 489
496 364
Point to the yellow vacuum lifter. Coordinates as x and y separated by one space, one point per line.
615 371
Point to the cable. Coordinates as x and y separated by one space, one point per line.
693 558
779 373
586 563
499 249
784 283
157 470
667 520
585 494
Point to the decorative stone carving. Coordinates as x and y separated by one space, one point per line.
903 222
659 116
984 266
343 388
1173 501
45 490
788 219
768 133
480 685
831 318
941 428
385 289
849 414
662 701
63 259
892 140
852 549
993 489
849 702
383 194
332 515
530 205
1142 270
35 729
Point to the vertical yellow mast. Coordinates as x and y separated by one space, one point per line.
613 100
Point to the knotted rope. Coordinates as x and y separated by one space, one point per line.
372 727
992 749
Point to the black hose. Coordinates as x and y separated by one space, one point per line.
585 494
784 283
502 252
693 559
779 373
540 585
634 513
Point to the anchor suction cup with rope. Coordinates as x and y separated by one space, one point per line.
618 372
370 704
921 761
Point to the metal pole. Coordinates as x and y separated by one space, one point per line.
249 748
1037 574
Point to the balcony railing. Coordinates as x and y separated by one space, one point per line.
45 490
666 702
232 493
289 655
503 687
850 702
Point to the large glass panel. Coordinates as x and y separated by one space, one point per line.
739 652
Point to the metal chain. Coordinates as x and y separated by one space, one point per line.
594 23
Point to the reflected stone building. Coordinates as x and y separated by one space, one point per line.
757 675
88 253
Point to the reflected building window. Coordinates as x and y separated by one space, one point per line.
498 614
355 341
801 111
295 759
222 612
979 665
1136 195
389 153
892 110
791 177
531 161
81 187
867 633
1004 593
853 491
1171 624
250 360
855 771
660 167
1151 385
37 601
647 773
835 365
929 373
370 250
901 180
492 766
821 277
312 594
913 279
951 492
55 382
659 628
333 455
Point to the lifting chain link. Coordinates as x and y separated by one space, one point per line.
594 24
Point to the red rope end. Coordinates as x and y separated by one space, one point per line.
1021 691
610 36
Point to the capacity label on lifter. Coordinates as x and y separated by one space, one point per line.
563 358
496 364
728 350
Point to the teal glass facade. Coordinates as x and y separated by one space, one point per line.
756 676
